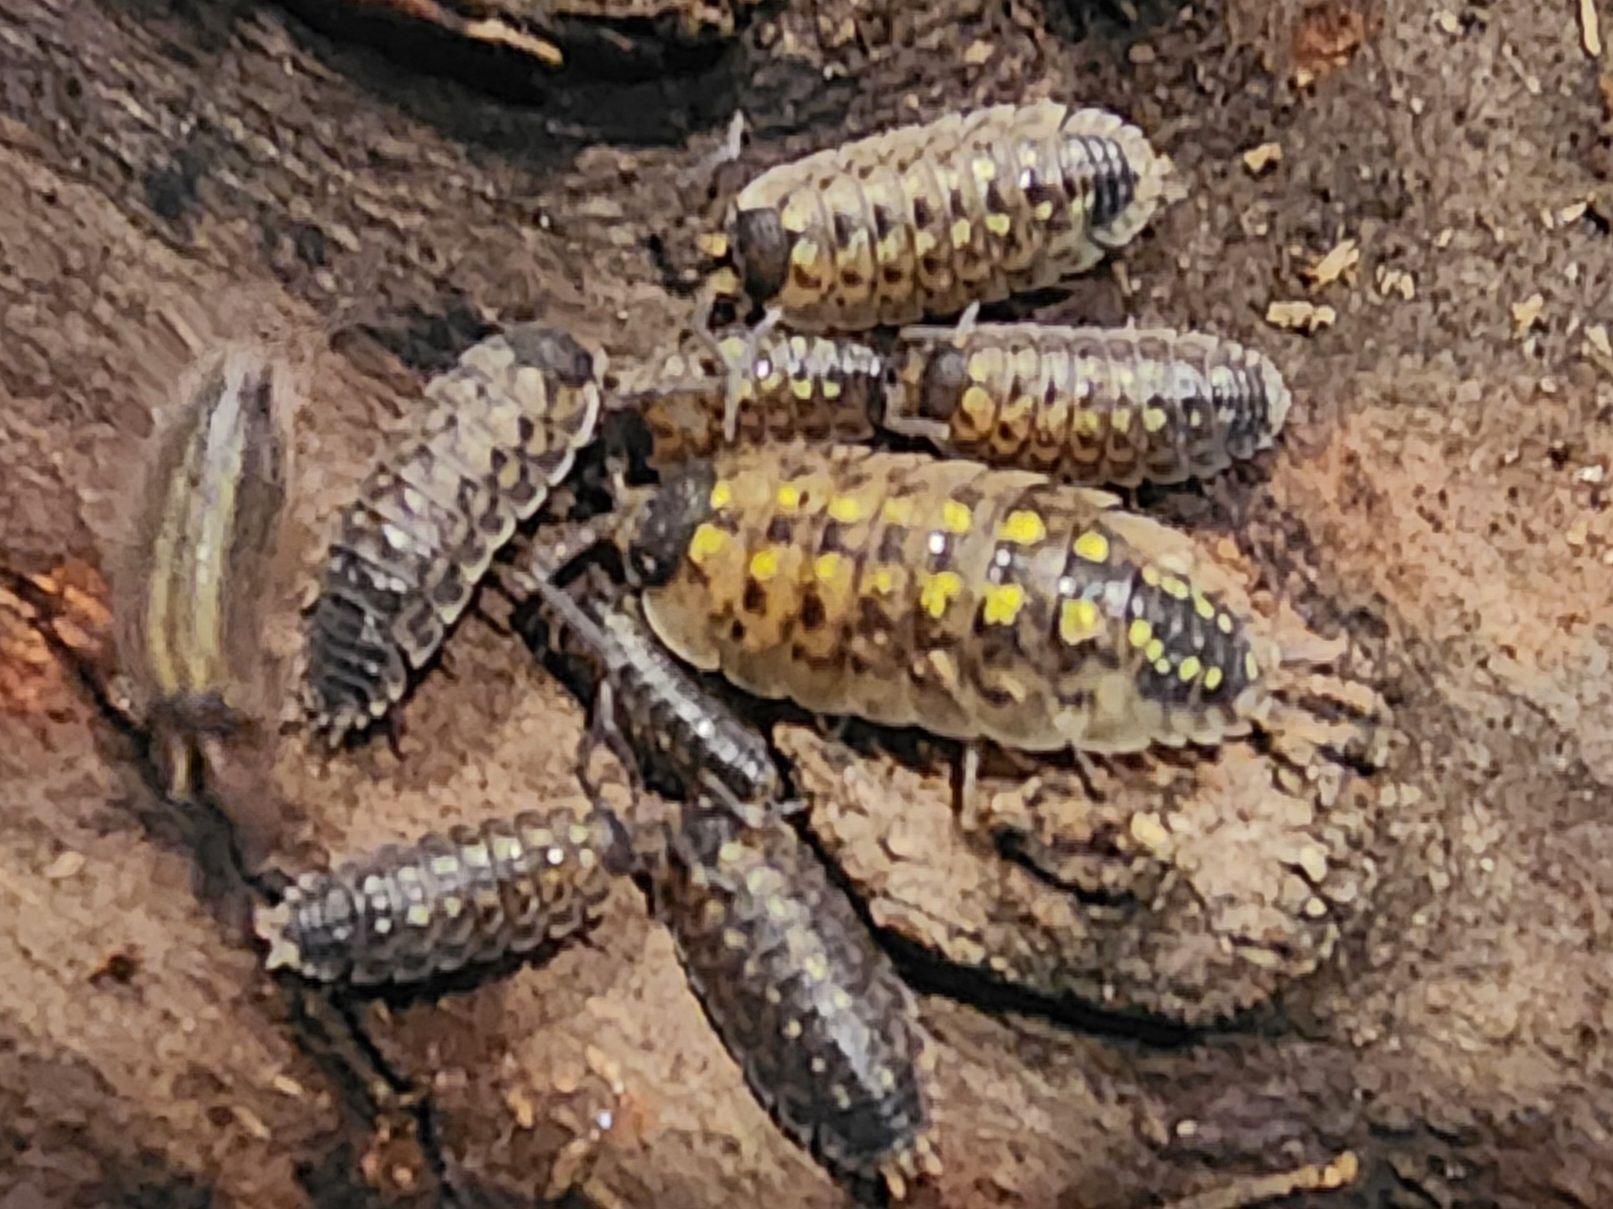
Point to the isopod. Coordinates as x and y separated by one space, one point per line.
504 427
809 1006
924 219
406 913
193 586
1091 405
662 721
754 388
974 602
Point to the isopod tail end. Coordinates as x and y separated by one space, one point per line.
1154 181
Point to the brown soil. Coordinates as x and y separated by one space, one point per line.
174 174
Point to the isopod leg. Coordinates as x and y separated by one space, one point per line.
737 372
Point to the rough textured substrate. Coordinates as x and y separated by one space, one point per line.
176 173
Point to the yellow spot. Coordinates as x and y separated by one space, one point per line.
1163 667
1151 576
923 242
1174 587
984 168
846 509
1153 419
707 541
1155 650
1190 668
884 580
1022 527
722 493
1088 423
1202 605
1120 419
827 566
977 404
764 564
938 592
960 233
831 388
1224 623
1092 546
979 368
804 253
956 517
789 497
1251 666
1212 679
897 510
998 224
1003 603
1140 633
801 388
1043 211
1077 620
714 245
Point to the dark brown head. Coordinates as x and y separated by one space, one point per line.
553 351
946 377
663 525
761 252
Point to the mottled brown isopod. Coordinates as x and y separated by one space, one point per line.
923 220
504 427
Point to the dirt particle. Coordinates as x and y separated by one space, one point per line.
64 866
1525 313
1324 41
1590 28
1259 159
1300 316
979 52
1340 261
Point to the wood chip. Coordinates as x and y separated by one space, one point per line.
1396 281
1300 316
1258 159
1342 259
1590 28
979 51
1447 21
1525 313
1596 337
64 866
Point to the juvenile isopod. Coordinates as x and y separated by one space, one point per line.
753 388
659 718
1091 405
406 913
503 428
924 219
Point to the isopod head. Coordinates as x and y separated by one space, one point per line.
664 524
761 251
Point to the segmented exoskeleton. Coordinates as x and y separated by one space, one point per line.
753 388
974 602
805 1001
193 586
808 1005
661 721
504 427
1090 405
404 914
922 220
